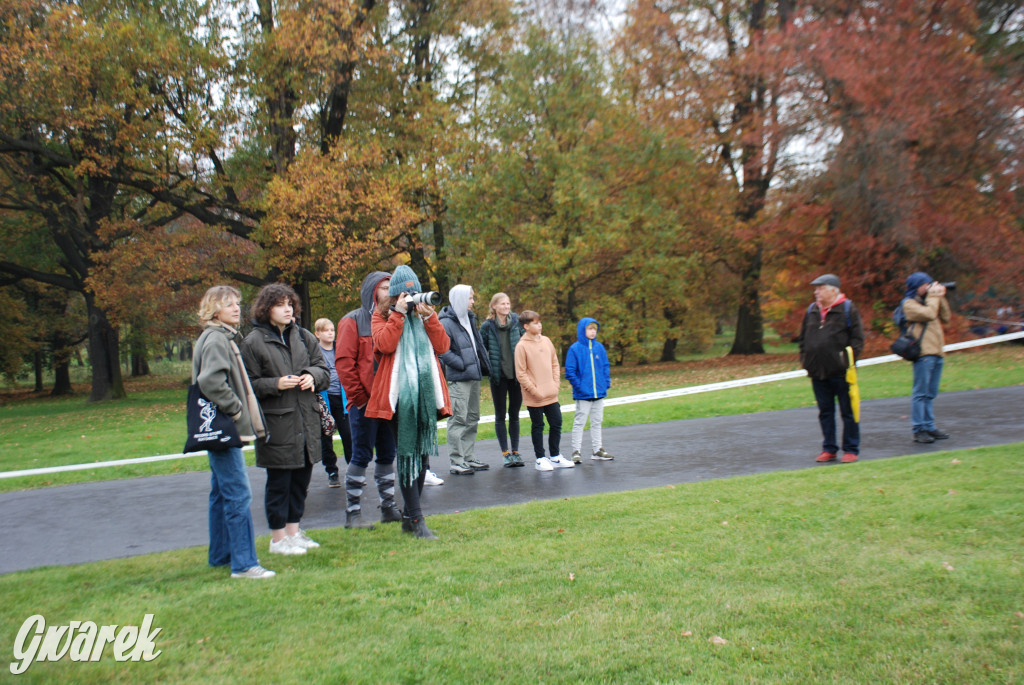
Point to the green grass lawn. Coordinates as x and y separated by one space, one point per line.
906 570
37 432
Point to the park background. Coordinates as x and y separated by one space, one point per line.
674 169
679 170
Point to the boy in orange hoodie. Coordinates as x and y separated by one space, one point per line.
538 373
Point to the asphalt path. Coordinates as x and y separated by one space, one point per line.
85 522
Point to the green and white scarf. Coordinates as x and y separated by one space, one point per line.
417 408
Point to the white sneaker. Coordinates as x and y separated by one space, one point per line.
432 479
300 539
286 546
256 571
544 464
560 462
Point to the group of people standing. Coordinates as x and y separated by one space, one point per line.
832 339
389 371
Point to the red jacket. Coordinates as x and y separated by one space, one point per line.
353 349
386 334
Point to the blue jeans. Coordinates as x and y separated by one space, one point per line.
827 392
927 374
232 538
368 434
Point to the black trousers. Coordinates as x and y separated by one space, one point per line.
507 388
553 413
285 496
410 493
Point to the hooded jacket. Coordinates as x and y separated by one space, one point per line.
387 332
353 349
293 415
824 339
466 359
929 309
586 365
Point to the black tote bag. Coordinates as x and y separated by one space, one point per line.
208 427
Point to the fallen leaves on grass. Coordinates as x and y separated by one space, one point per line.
572 577
956 461
946 565
951 492
716 640
687 633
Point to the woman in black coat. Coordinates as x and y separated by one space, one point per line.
286 368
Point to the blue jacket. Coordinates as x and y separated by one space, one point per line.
587 366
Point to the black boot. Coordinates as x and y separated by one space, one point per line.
418 527
354 519
390 514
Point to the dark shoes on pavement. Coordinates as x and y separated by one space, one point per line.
461 469
333 481
926 437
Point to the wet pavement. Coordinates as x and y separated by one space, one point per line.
93 521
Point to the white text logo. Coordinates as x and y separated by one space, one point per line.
82 641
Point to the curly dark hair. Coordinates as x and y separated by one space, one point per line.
272 295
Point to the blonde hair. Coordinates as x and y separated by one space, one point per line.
494 300
215 299
322 324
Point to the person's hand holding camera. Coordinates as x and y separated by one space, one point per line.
424 310
937 289
401 306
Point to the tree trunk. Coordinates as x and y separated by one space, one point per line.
668 350
104 355
750 323
62 379
301 289
37 367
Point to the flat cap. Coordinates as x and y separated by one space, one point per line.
826 279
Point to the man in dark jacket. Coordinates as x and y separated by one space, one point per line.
832 324
353 360
465 365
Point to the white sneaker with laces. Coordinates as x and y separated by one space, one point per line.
432 479
286 546
544 464
300 539
560 462
256 571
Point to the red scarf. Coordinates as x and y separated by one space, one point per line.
825 310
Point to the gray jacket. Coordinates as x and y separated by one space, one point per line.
461 362
293 416
220 380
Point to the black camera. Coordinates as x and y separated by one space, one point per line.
951 285
431 297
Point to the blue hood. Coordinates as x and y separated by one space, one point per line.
915 281
581 329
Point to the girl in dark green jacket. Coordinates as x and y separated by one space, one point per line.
501 333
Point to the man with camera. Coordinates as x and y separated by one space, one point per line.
832 324
926 309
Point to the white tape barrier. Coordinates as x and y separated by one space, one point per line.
631 399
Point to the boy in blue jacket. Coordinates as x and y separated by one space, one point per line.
589 372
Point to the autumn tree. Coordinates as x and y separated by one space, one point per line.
100 104
714 71
572 206
927 164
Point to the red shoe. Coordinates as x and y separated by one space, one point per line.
826 456
848 458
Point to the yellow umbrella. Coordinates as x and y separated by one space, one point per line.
851 379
